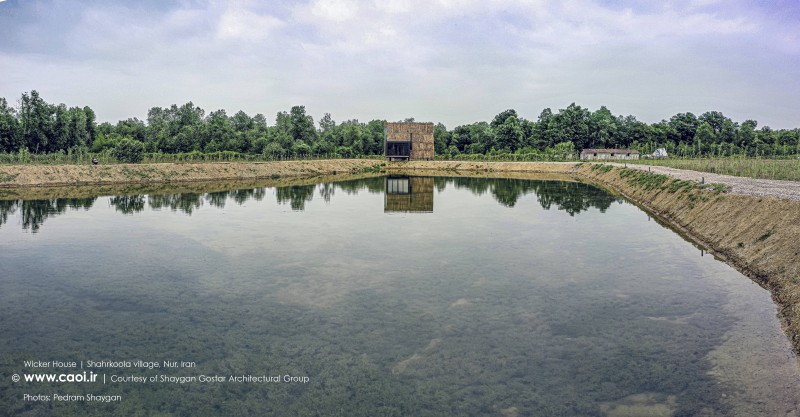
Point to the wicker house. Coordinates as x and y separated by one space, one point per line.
408 194
408 141
604 154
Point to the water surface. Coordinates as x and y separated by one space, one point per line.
394 296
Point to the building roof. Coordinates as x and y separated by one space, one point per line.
609 151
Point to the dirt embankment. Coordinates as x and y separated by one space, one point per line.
12 176
25 176
757 234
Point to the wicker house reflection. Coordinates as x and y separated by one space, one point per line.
408 194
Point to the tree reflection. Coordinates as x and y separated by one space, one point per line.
217 199
185 203
242 196
572 197
7 207
326 191
35 212
297 195
128 204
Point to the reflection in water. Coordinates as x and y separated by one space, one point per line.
402 194
35 212
217 199
186 202
572 197
296 195
242 196
128 204
7 207
408 194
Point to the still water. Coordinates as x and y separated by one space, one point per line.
386 296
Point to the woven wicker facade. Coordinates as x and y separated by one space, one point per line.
419 135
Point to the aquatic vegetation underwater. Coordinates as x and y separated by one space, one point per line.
543 304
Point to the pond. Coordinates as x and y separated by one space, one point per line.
382 296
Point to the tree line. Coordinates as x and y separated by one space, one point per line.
38 127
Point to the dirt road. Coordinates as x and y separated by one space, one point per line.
787 190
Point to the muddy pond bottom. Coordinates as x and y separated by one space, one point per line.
385 296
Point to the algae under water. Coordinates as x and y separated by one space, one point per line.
386 296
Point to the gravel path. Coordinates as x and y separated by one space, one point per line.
787 190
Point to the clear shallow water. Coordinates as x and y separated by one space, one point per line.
449 296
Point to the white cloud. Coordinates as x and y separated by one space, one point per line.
240 22
334 10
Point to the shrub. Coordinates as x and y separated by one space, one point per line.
129 150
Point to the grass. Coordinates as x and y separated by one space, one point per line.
646 180
376 168
718 188
602 168
7 178
650 181
774 169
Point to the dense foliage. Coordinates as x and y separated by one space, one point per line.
37 127
129 150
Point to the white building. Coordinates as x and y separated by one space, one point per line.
603 154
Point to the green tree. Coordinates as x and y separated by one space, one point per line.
684 126
603 129
35 120
704 137
572 124
129 150
326 123
374 137
441 138
241 122
544 130
302 125
10 138
218 133
501 118
90 126
60 134
746 134
274 150
564 150
353 136
133 128
509 134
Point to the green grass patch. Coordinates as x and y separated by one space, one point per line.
643 179
602 168
8 177
718 188
376 168
677 185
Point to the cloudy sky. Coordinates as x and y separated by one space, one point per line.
450 61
